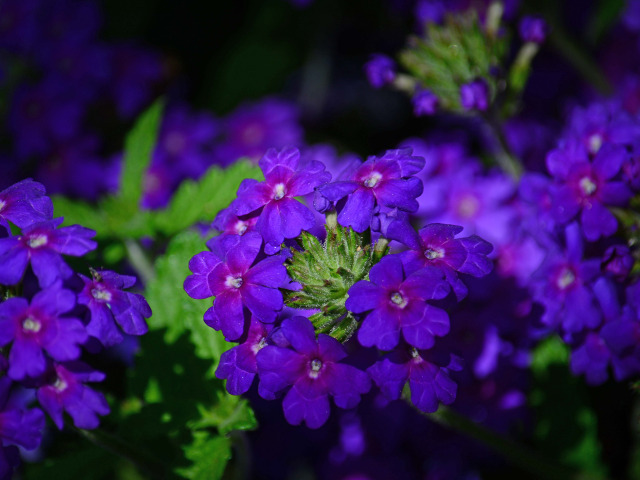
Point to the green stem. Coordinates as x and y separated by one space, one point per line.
115 445
139 261
579 60
518 455
505 158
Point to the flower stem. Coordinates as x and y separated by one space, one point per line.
518 455
139 261
115 445
505 158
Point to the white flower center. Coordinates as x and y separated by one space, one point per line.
279 191
588 186
433 253
233 282
31 324
595 142
2 204
373 179
565 279
240 227
468 206
397 298
175 143
101 294
37 241
60 385
260 345
316 365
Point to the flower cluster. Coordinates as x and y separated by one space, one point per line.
290 300
48 313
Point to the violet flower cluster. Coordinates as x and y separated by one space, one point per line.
291 301
68 89
48 314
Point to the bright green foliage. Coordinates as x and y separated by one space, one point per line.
173 309
200 201
138 148
453 54
209 456
565 425
327 272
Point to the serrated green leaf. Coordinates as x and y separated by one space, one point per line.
566 425
173 309
200 201
209 456
138 148
79 213
229 413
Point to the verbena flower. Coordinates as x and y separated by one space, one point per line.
238 281
24 203
533 29
107 301
386 181
39 327
380 70
280 215
475 95
397 303
311 372
42 244
586 187
66 391
429 383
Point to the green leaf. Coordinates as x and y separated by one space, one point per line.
200 201
173 309
229 413
138 148
79 213
209 456
566 425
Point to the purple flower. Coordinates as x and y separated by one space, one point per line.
228 223
254 128
280 215
312 370
387 181
67 392
41 244
435 245
424 102
429 383
475 95
238 282
533 29
585 187
18 425
618 261
238 364
380 70
40 327
107 301
562 285
24 203
397 302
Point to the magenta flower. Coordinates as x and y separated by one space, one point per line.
273 201
397 302
429 382
312 372
107 301
41 244
380 181
585 188
238 281
37 328
67 392
24 203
